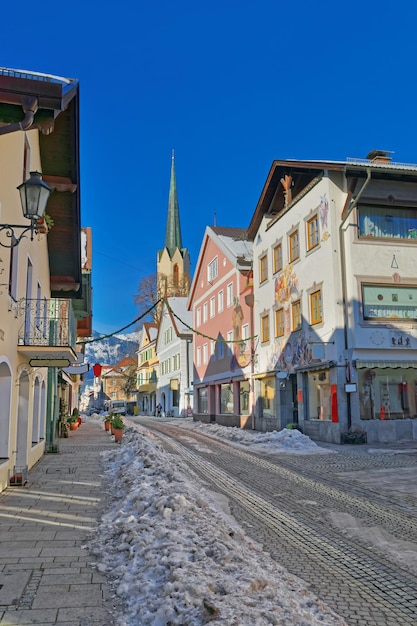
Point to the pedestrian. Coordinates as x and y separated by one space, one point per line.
158 409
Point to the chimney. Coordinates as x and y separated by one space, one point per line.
379 156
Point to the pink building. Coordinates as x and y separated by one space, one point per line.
221 300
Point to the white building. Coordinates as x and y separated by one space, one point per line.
174 348
335 280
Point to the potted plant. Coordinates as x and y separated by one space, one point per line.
107 421
117 426
44 224
73 422
63 418
76 414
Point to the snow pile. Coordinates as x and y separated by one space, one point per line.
175 558
286 440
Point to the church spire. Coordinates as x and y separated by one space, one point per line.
173 229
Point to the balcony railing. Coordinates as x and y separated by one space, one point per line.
48 323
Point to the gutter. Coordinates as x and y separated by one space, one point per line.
345 214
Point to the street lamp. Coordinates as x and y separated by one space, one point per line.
34 194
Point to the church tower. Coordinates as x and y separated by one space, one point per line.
173 262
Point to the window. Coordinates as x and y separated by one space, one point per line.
205 312
387 222
316 310
212 307
267 393
294 246
199 355
296 315
198 317
202 402
313 232
265 328
168 335
212 349
229 296
277 258
220 301
388 302
212 270
263 268
13 272
386 392
226 398
244 397
205 353
176 361
279 323
230 339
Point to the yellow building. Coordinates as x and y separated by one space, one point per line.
40 271
147 369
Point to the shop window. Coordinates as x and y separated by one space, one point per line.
387 302
202 400
319 395
244 397
387 393
388 222
226 398
267 394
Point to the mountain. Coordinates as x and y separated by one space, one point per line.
110 350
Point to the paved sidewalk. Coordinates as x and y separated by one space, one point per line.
45 574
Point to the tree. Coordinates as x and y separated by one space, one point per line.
147 297
128 386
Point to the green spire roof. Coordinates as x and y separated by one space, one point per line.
173 231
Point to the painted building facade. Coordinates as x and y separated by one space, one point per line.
220 300
335 260
175 356
40 273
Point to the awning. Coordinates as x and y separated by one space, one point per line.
384 364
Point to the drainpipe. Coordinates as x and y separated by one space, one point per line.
29 106
352 205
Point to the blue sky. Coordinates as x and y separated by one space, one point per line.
230 85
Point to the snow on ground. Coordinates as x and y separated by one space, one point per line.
176 558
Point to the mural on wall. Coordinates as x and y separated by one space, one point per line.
323 213
290 353
240 357
286 285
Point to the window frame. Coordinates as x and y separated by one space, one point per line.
316 307
277 266
294 250
265 328
279 322
313 234
263 268
296 314
212 270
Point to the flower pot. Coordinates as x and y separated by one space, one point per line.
73 425
118 433
107 426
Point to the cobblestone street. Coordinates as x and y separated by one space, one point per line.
346 523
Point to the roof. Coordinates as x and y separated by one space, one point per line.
57 119
235 245
183 318
303 173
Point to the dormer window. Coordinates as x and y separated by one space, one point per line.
212 270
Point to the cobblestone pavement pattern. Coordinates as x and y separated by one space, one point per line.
45 575
346 523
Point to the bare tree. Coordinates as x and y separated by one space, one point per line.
147 297
128 386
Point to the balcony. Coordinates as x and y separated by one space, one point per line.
48 335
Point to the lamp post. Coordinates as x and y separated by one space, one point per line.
34 194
